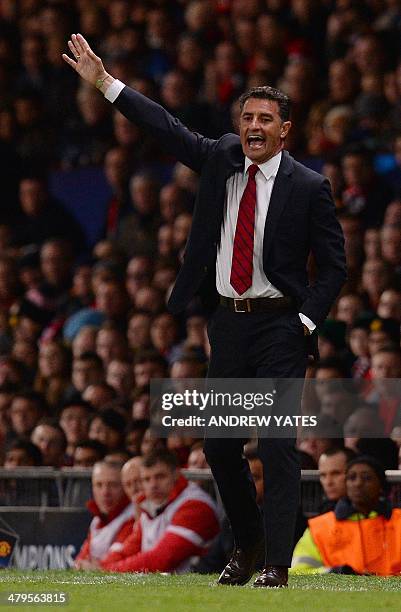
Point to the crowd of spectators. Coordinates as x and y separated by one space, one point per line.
84 327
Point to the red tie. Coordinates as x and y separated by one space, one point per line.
242 262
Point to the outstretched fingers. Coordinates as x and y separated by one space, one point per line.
86 47
69 61
78 44
83 43
73 49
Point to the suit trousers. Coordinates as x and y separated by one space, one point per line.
258 345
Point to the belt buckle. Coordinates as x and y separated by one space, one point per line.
238 303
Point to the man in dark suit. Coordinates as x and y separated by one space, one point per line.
257 216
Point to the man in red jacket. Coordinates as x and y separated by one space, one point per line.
113 515
178 521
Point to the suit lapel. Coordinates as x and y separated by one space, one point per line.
278 199
235 163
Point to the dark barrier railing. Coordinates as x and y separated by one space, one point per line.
71 488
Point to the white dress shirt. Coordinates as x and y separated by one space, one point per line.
235 186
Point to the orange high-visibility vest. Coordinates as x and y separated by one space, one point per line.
368 545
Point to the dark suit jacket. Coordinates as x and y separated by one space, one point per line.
301 216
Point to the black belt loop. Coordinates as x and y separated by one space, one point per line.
243 305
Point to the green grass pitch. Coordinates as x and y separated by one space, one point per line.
96 592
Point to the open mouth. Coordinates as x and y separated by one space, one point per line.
255 141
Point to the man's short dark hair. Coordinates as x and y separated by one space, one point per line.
266 92
138 425
150 356
111 418
333 363
76 402
348 452
160 456
90 356
32 396
30 449
94 445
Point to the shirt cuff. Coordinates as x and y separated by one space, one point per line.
113 91
309 324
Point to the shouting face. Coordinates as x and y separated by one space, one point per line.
262 131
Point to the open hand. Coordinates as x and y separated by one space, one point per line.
88 65
87 564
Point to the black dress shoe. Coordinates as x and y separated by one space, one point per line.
242 565
273 576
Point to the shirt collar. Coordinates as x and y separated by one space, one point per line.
269 168
345 510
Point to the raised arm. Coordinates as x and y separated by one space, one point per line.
190 148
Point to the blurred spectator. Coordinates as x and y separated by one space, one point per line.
117 457
111 300
87 453
386 374
74 420
187 365
138 230
371 243
116 169
349 308
42 218
131 477
327 434
196 458
53 376
134 436
51 441
22 453
149 299
26 410
138 331
331 341
384 450
390 236
375 279
389 306
85 340
112 515
359 345
7 393
364 422
148 365
87 369
98 395
185 514
140 412
88 134
365 195
81 290
150 442
163 333
337 403
347 540
110 344
138 274
107 426
332 468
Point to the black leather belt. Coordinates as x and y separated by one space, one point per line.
257 304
